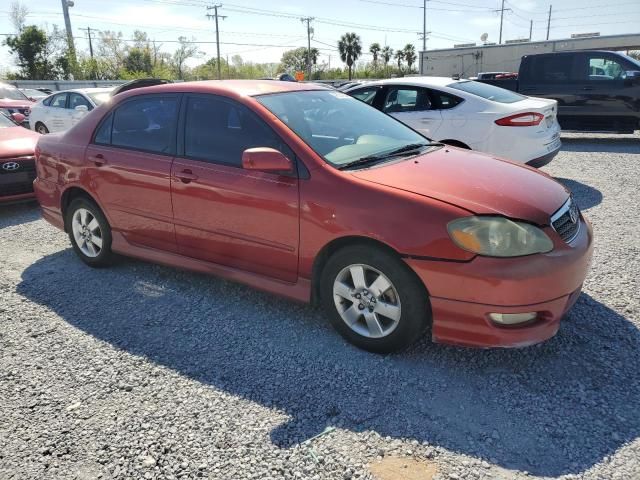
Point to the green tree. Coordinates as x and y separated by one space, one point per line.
350 48
374 49
294 60
399 58
409 55
387 55
184 52
31 48
138 60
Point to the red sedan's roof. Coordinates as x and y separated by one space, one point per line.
229 87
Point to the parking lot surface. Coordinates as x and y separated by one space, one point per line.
142 371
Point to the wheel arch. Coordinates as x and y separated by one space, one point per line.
69 195
339 243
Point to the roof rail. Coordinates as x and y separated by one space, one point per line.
139 83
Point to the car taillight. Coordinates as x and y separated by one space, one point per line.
527 119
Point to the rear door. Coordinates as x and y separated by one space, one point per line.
553 76
414 107
76 100
607 98
226 215
55 115
129 161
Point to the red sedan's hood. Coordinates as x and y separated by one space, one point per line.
17 141
479 183
8 103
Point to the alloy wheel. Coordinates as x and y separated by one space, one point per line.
87 232
367 301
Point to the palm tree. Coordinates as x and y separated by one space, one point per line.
400 58
374 49
387 54
350 49
409 55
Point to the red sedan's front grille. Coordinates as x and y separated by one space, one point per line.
16 176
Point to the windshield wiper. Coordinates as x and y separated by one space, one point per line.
371 159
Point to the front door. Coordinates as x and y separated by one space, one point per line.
56 115
226 215
413 106
130 162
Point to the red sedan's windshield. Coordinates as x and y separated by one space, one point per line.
12 94
6 122
338 127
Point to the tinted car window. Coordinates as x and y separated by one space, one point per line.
47 101
489 92
219 130
146 124
367 95
553 69
103 134
444 100
59 101
406 99
76 99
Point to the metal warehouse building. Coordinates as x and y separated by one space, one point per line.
468 61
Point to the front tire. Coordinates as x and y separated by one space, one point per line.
373 299
89 232
41 128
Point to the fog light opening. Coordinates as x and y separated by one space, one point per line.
513 318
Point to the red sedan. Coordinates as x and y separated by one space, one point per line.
17 164
305 192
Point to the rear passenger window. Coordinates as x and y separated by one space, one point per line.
76 99
103 134
146 124
218 131
445 101
47 101
553 69
407 99
59 101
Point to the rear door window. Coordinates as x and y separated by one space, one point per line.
146 123
59 101
218 130
407 99
76 99
444 101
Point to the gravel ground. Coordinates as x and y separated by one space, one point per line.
141 371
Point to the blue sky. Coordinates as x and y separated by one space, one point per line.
277 23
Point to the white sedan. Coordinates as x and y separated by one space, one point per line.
62 110
472 115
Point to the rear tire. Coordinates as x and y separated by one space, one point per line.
41 128
373 299
89 232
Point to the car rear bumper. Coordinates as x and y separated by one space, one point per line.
463 294
49 200
544 159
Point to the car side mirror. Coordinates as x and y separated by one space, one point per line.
632 76
81 108
18 118
266 159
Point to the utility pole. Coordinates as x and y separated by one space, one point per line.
501 10
549 23
309 32
424 26
67 23
530 29
93 66
215 15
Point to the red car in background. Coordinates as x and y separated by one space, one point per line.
14 102
17 161
306 192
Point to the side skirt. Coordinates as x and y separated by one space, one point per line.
299 291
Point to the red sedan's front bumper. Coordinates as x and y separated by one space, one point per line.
463 295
